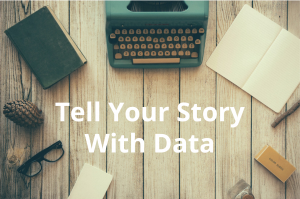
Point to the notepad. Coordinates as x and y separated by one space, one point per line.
260 57
91 183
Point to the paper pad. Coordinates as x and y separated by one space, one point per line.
260 57
92 183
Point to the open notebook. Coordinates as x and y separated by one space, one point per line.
260 57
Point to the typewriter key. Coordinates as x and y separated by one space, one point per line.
180 31
164 46
153 53
147 53
133 54
177 46
157 46
197 41
180 53
149 39
171 46
152 31
112 36
187 53
191 46
118 56
176 38
166 31
184 45
194 55
159 31
162 40
167 53
131 31
116 47
127 39
183 38
129 46
160 53
121 39
142 39
122 46
140 53
150 46
174 53
190 38
155 40
201 30
143 46
136 46
124 32
173 31
138 31
126 54
169 38
187 31
145 31
194 31
117 31
134 39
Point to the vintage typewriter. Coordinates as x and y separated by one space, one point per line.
156 34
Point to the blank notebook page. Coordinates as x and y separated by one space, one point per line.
278 74
243 46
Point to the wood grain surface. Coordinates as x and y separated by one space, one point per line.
233 145
265 184
146 175
292 122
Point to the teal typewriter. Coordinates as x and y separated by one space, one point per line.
156 34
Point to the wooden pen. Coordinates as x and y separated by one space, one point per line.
287 113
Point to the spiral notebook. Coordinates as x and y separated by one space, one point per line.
260 57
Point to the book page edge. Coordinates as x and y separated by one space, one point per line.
79 53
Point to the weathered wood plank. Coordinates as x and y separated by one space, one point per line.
292 122
233 145
88 83
125 85
15 83
161 170
264 183
198 86
54 181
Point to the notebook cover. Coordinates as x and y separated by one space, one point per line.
46 47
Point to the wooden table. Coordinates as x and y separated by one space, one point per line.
143 175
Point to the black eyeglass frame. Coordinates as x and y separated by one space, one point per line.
39 157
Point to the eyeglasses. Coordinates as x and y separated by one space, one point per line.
33 166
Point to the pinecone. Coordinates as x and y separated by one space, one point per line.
23 113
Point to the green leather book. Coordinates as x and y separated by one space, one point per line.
46 47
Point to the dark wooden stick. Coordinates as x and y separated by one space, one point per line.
284 115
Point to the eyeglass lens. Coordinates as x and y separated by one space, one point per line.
54 155
34 168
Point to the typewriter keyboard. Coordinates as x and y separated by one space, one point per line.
156 46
